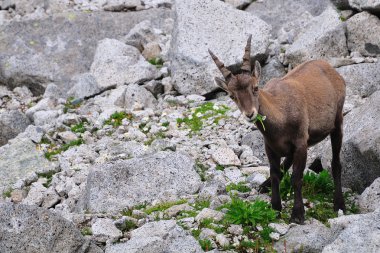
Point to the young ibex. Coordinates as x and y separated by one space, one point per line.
300 109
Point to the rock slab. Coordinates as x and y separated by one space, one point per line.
124 184
200 25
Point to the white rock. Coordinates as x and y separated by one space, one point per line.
369 200
116 64
222 240
208 213
104 229
225 157
202 24
280 228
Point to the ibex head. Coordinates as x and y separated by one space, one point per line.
242 88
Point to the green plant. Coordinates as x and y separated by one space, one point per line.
129 225
163 206
116 118
201 204
71 103
195 120
78 128
322 212
157 61
201 170
7 193
240 187
86 231
219 167
49 177
249 213
206 244
55 150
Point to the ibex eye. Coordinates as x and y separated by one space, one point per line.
232 97
256 88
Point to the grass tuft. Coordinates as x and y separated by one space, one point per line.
116 118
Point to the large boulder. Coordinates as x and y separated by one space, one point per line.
18 158
124 184
361 145
211 24
363 34
35 53
157 237
369 200
324 39
361 79
279 13
116 64
30 229
366 5
12 123
306 238
355 233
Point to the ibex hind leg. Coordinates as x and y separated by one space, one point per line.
285 166
336 167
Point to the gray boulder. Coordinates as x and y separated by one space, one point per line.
137 97
18 158
157 237
366 5
323 39
116 64
363 34
11 124
362 79
124 184
29 229
361 145
200 25
356 233
255 141
274 69
83 86
369 200
311 238
272 11
61 46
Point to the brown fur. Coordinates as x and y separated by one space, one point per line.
301 109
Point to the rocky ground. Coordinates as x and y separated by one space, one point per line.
114 137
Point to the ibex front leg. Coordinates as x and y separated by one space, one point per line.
275 177
299 163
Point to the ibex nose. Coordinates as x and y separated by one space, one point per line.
249 115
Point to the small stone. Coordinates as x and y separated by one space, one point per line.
256 179
222 240
174 210
17 196
280 228
104 229
274 236
68 136
225 157
235 229
208 213
207 234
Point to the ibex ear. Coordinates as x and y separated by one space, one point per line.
257 71
221 83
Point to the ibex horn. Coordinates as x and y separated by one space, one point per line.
225 72
246 66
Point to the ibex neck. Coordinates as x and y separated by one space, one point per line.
269 107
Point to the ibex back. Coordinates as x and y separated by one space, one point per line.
301 109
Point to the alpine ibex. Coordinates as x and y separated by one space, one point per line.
301 109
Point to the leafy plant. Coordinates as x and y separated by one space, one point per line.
322 212
128 225
157 61
7 193
55 150
219 167
78 128
86 231
206 244
49 177
163 206
202 204
71 103
116 118
240 187
195 121
201 169
249 213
